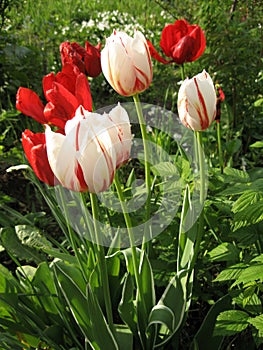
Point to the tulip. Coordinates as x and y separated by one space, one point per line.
93 147
35 150
64 92
86 59
197 102
126 63
181 42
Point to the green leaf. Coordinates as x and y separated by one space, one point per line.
101 331
12 244
257 144
224 252
231 322
124 337
204 338
235 175
257 322
31 237
162 314
251 215
247 199
147 300
177 290
126 307
73 289
230 273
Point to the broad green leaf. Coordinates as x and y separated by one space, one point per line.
73 289
31 237
124 337
126 307
251 215
247 199
257 322
257 144
230 273
235 175
162 314
146 301
251 273
231 322
224 252
165 169
101 331
174 298
204 338
12 244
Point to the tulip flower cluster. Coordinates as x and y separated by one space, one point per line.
85 149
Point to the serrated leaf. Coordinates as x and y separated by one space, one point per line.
12 244
257 322
224 252
235 175
247 199
251 273
230 273
31 236
251 215
231 322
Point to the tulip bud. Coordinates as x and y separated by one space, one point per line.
197 102
126 63
93 147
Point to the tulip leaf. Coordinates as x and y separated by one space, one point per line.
126 307
101 331
204 338
171 308
146 301
84 306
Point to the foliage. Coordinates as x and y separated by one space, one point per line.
50 289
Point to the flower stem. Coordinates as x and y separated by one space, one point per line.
131 238
102 262
182 71
146 166
220 154
201 161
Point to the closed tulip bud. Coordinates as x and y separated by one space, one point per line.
197 102
126 63
93 147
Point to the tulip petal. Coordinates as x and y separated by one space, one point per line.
63 162
29 103
35 150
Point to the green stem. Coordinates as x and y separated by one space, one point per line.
201 160
182 71
131 238
146 164
71 234
220 154
102 262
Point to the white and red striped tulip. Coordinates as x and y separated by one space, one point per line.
197 102
126 63
93 147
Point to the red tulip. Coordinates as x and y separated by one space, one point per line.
181 42
86 59
64 92
35 149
